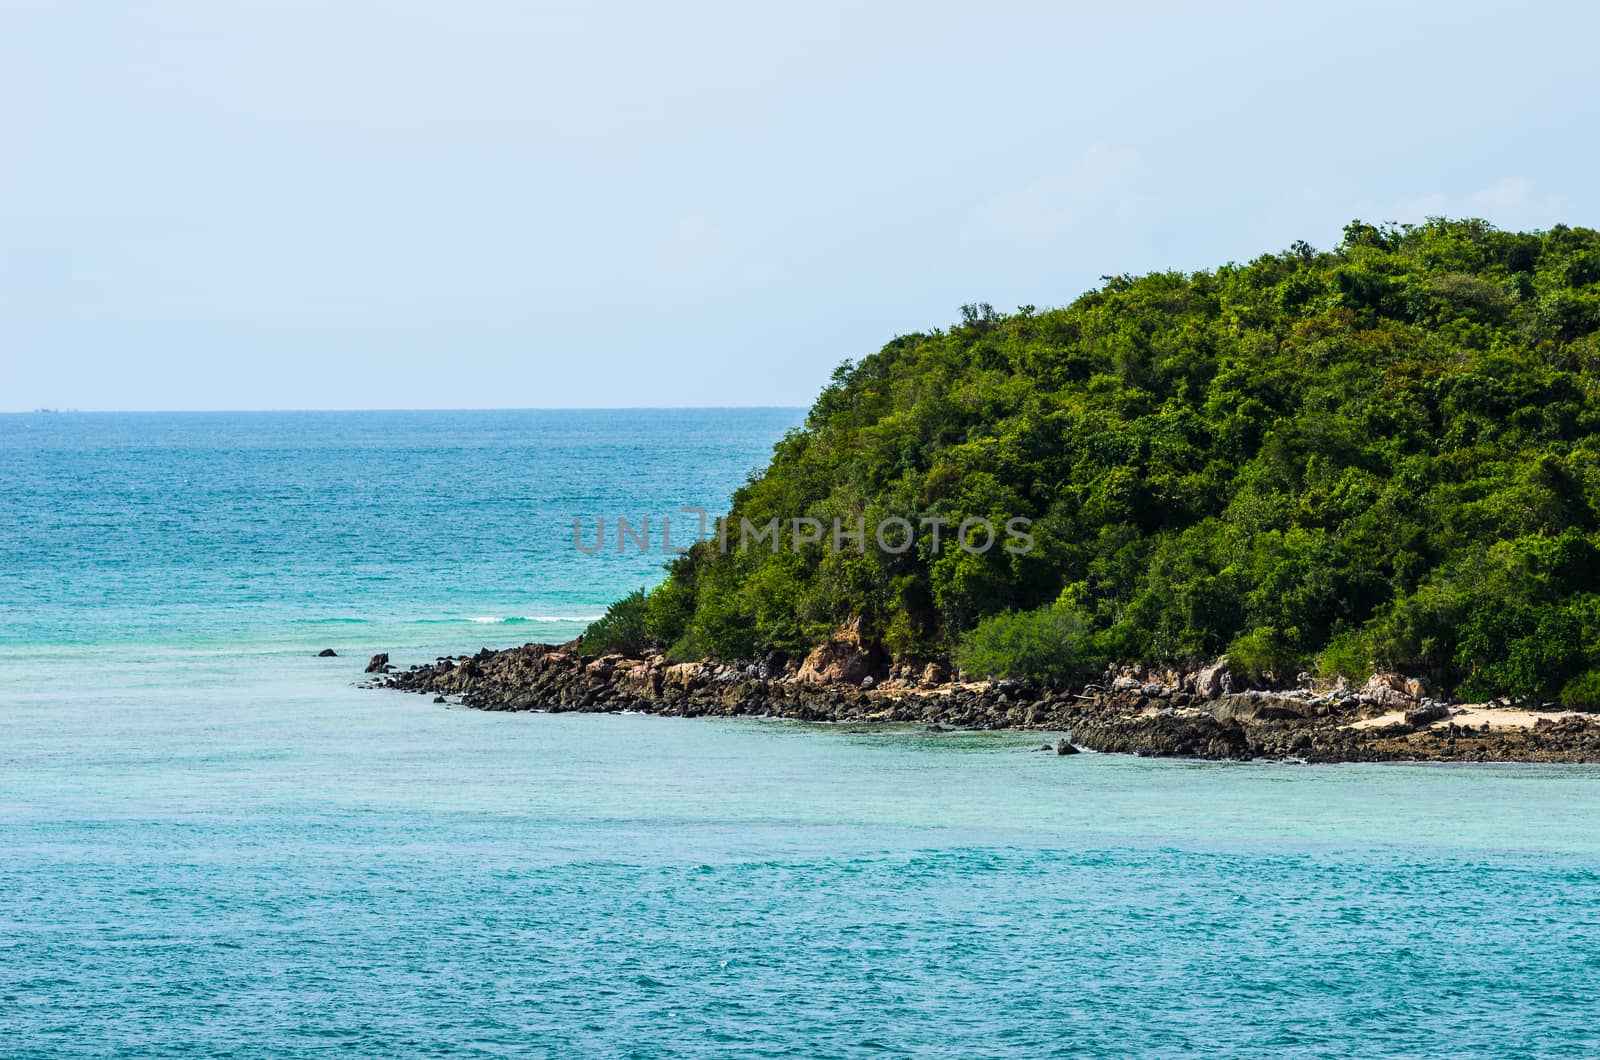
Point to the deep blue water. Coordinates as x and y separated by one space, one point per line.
212 843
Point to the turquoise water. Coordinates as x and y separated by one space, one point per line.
212 843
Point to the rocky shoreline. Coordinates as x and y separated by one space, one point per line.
1205 713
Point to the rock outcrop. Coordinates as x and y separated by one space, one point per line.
1133 710
1389 691
1214 680
843 660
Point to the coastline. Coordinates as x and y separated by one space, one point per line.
1158 714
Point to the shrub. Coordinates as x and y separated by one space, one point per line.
1262 652
1349 655
1050 646
1522 651
621 629
1582 692
670 607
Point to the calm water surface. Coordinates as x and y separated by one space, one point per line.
212 843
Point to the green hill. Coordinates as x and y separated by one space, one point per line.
1386 455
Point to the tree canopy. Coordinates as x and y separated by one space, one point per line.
1383 455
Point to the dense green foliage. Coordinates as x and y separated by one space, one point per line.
1049 644
622 629
1384 455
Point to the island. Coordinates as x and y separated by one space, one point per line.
1328 505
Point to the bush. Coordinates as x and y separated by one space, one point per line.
1582 692
621 629
1050 646
1349 656
1262 652
1526 652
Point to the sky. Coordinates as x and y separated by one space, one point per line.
487 204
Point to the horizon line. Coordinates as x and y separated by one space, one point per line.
49 411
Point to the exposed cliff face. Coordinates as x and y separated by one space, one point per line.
1168 714
843 660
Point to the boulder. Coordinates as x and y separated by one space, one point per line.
329 653
774 665
379 663
1384 680
641 679
1065 748
683 675
552 660
1247 707
1388 691
1427 713
1214 680
843 660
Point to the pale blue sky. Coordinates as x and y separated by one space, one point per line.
287 204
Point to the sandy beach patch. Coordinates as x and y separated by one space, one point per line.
1475 715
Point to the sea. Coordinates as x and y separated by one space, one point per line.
214 842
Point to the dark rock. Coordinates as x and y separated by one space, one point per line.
1065 748
1237 725
439 699
1426 713
1198 736
379 663
327 653
1252 707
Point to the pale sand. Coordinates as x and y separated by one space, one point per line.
1475 715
